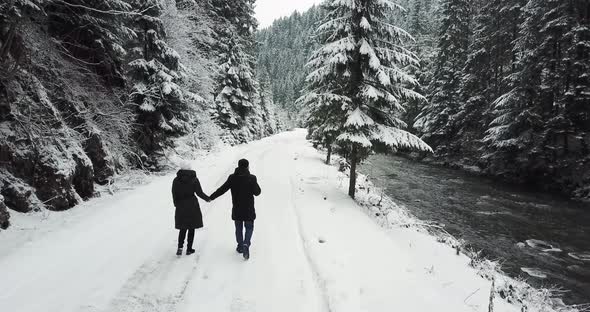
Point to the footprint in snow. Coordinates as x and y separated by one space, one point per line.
241 305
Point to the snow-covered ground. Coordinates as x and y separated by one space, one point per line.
314 249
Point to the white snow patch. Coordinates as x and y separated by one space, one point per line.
358 119
534 272
581 256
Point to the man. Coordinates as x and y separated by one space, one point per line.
243 187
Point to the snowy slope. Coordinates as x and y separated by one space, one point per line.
313 249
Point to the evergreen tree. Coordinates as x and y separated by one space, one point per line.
435 121
238 106
422 25
270 115
359 68
488 64
156 72
548 97
239 13
284 49
235 86
93 32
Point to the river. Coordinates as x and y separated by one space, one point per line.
541 237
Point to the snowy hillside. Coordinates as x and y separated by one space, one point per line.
92 89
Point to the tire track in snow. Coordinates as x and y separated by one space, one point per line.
146 291
319 281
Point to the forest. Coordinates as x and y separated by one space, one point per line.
91 89
505 84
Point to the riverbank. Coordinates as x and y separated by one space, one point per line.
496 219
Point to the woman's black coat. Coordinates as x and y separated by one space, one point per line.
188 213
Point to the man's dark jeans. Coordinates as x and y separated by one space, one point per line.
242 239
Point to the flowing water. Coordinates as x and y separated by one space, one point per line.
539 236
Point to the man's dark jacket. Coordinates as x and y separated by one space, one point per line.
244 187
188 213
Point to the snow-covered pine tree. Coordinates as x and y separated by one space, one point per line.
156 72
435 121
235 85
422 24
324 111
271 122
569 29
360 68
238 106
239 13
489 61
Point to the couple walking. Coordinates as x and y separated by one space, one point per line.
188 217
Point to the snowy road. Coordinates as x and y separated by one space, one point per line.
313 250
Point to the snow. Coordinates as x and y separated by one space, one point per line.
358 119
397 138
582 256
534 272
358 138
147 106
542 245
365 24
314 249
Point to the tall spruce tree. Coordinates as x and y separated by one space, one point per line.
435 122
270 115
235 85
238 106
422 25
156 72
360 69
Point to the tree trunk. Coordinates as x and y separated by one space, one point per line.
329 157
353 162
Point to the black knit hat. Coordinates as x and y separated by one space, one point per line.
243 163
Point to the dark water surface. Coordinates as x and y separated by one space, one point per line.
543 237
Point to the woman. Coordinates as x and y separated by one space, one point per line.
188 215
